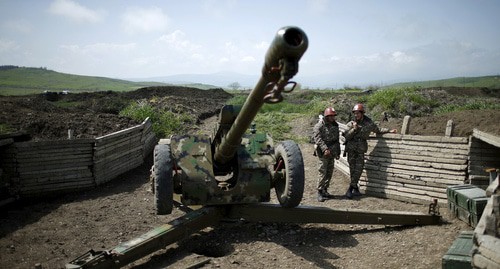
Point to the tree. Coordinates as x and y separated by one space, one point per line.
234 86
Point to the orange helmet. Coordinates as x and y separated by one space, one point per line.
359 107
329 111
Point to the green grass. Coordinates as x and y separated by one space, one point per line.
27 80
165 123
5 129
492 82
471 105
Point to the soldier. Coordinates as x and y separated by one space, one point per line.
356 134
326 139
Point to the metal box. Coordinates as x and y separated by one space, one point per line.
466 202
459 255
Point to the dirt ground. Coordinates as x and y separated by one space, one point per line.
53 231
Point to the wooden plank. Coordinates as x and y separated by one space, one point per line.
45 189
55 176
55 151
376 160
117 163
52 143
422 138
75 181
415 173
56 169
429 150
125 145
437 172
409 179
109 175
134 138
129 152
53 165
417 198
393 183
119 134
419 144
486 137
424 153
410 192
54 158
417 157
122 165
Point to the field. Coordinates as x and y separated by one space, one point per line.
53 231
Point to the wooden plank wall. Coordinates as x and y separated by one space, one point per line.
119 152
48 167
484 154
52 166
412 168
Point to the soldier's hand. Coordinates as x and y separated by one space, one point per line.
327 153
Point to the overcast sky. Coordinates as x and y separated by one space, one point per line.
350 41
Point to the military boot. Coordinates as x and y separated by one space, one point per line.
327 195
321 197
348 194
355 192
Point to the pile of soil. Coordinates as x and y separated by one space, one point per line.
90 115
55 231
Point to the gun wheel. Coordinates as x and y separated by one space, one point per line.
288 174
163 179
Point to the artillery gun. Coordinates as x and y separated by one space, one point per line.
235 166
231 173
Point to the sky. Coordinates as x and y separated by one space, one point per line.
350 42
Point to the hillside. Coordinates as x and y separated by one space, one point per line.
15 80
491 82
27 80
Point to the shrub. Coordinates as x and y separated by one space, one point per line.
164 122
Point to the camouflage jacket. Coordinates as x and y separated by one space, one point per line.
356 139
326 136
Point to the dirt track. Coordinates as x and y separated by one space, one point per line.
55 231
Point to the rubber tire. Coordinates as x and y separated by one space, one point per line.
290 187
163 180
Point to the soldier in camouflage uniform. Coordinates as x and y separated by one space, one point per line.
326 139
356 146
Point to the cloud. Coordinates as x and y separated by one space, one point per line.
318 6
177 40
144 20
100 49
74 11
7 45
17 26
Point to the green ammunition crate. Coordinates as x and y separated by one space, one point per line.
459 255
466 202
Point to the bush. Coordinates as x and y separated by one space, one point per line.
164 122
399 102
472 105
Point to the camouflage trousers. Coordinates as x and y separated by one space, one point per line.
325 172
356 165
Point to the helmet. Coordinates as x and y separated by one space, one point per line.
329 111
358 107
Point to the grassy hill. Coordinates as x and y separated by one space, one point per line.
27 80
16 80
491 82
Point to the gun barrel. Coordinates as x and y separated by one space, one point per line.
281 64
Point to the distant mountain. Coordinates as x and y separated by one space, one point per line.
221 79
